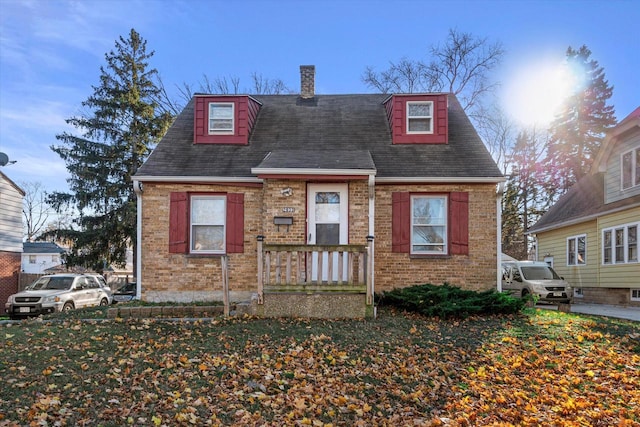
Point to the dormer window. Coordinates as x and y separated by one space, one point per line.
221 117
420 117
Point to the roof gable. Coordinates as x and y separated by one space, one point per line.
12 184
628 124
584 201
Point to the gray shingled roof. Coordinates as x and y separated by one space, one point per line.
318 159
41 248
334 128
583 201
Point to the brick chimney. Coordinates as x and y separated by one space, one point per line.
307 81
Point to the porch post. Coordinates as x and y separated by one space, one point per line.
260 273
369 270
225 284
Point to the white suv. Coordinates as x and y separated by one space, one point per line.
59 292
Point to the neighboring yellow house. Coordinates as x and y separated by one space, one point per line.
590 235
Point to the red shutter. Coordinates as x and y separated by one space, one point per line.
401 222
459 223
235 223
179 223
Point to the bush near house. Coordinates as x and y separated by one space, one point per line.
448 301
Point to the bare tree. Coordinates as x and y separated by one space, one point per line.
219 85
462 66
35 209
497 130
266 86
406 76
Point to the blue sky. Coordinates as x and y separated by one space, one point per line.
51 51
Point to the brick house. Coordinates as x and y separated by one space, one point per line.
590 235
11 197
312 203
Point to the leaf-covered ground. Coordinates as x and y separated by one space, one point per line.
541 368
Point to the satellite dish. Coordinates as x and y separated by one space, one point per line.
4 159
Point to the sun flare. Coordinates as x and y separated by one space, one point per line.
537 92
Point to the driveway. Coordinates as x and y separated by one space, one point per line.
619 312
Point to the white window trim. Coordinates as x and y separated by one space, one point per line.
224 225
233 118
578 293
419 117
612 230
637 297
575 238
634 178
445 242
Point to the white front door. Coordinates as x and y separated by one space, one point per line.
327 216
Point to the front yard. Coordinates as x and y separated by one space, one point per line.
538 368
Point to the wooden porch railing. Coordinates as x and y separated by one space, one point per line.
288 267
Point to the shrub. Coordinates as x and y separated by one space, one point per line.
450 301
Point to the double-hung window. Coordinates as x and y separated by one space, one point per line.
208 215
221 117
429 225
630 165
577 250
420 117
206 223
620 244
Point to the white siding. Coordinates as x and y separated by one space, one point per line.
612 179
10 216
43 261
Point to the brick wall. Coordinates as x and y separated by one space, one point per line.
179 277
613 296
185 278
476 271
275 202
9 271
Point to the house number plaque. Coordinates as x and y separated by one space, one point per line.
288 210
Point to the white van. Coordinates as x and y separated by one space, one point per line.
523 278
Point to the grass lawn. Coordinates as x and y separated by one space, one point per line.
538 368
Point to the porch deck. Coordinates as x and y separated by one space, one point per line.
309 279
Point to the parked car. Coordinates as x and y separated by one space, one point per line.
535 278
125 293
102 283
55 293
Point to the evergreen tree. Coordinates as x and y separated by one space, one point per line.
579 129
119 131
525 198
